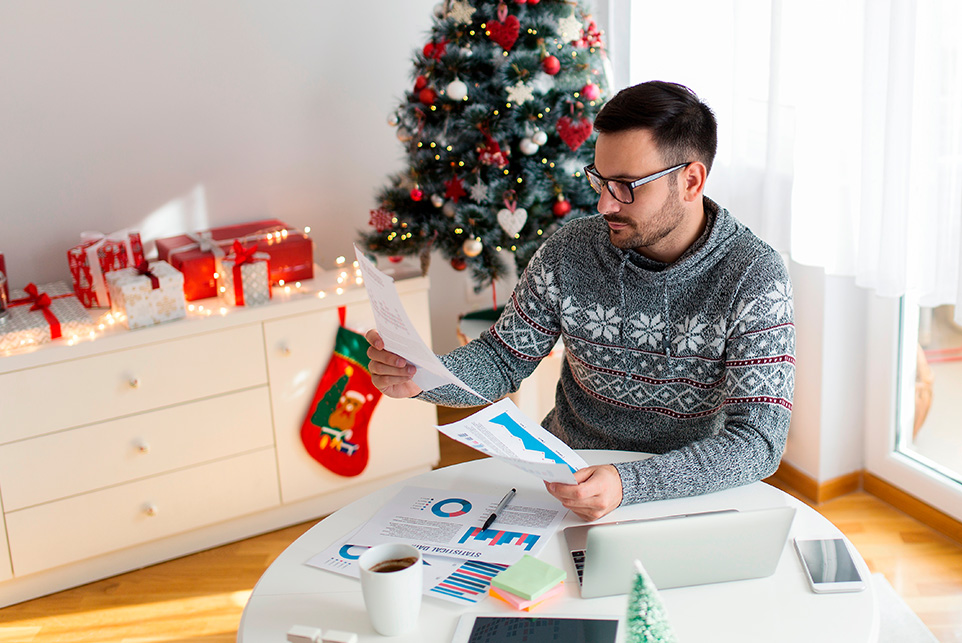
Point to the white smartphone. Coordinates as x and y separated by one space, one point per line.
829 566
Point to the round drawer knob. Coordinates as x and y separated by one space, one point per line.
151 510
142 446
134 382
285 350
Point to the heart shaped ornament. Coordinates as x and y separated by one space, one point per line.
512 222
574 132
505 32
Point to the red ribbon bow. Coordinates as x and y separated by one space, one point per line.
41 301
144 268
243 255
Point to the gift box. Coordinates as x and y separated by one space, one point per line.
39 314
147 295
243 277
291 253
4 287
95 256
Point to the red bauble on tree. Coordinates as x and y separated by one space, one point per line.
561 207
427 96
420 83
459 263
591 92
417 194
551 65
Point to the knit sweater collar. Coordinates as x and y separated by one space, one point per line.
720 230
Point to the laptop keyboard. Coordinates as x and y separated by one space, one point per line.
578 556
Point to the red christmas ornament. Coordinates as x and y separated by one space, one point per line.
590 37
459 263
455 189
420 83
551 65
573 132
533 1
417 194
561 207
395 259
591 92
521 1
435 50
505 29
427 96
490 154
381 219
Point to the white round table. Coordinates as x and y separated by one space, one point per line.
778 608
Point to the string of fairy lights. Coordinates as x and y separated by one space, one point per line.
343 278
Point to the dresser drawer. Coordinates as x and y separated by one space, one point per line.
6 572
88 525
76 461
83 391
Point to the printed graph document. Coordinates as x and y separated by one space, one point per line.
399 334
503 431
449 523
452 579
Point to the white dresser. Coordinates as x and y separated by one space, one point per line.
145 445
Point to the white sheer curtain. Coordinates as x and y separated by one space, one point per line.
840 126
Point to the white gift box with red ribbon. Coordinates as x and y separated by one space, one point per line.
147 294
39 314
243 277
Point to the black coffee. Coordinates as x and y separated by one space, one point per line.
393 565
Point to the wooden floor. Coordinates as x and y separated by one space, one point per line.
199 598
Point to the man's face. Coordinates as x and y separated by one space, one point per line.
657 209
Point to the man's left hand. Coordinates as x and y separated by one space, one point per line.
598 491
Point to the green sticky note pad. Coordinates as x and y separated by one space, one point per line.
529 578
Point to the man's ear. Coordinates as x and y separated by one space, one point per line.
693 180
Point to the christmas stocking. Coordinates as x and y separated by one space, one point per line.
335 429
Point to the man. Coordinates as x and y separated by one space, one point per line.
677 321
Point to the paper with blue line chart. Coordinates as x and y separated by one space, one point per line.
450 579
443 522
502 431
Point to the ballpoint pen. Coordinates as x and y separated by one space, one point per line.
501 505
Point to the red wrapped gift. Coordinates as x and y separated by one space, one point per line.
291 253
4 285
96 255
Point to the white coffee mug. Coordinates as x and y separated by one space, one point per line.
392 597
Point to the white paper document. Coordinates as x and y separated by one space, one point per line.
399 335
503 431
450 523
450 579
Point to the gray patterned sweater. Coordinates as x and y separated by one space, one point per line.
692 361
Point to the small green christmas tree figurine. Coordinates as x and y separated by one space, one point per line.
498 128
647 622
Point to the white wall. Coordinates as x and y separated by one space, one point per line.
828 415
171 115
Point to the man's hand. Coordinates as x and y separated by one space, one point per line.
598 491
390 373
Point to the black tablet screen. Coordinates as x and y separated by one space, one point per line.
491 629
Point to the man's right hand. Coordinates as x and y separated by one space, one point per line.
390 373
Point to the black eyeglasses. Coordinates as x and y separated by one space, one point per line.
624 191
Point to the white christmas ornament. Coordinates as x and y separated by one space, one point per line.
479 191
404 135
528 147
539 138
472 247
519 92
437 200
570 27
392 119
512 222
461 12
449 209
457 90
542 82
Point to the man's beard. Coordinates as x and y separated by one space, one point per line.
638 236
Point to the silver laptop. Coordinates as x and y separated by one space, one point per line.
678 551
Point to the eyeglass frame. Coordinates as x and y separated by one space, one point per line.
631 185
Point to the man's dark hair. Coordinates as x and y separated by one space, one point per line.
683 127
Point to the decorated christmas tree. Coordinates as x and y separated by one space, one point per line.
647 621
498 129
